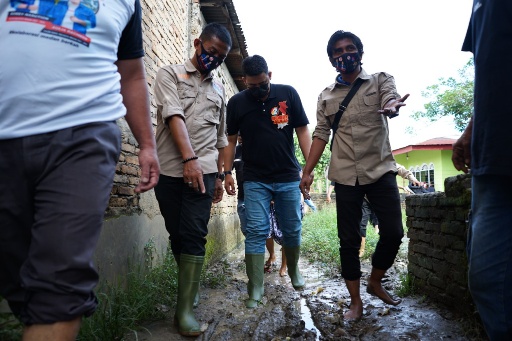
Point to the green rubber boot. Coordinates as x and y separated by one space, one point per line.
255 263
292 262
189 274
196 299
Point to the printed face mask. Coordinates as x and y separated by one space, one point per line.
347 62
259 92
207 62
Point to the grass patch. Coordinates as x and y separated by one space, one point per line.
320 241
10 328
406 287
148 293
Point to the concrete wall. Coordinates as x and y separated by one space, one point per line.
437 234
133 221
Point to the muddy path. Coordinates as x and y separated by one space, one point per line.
315 313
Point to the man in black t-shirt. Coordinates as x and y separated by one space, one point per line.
267 116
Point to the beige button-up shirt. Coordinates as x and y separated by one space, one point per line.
179 90
361 149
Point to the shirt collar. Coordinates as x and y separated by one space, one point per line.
189 67
363 75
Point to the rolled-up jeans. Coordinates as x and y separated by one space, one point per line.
257 197
490 253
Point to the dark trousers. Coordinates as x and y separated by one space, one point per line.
186 213
383 194
54 191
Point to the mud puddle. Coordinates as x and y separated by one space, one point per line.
315 313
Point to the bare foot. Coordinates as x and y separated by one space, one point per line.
354 312
270 264
376 289
282 271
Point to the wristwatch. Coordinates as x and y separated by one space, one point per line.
227 172
220 176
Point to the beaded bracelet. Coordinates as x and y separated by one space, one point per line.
190 159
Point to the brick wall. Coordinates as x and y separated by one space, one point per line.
437 234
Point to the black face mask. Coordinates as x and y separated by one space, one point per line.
259 92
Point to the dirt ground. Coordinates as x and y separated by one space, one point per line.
315 313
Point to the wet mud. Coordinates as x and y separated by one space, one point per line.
315 313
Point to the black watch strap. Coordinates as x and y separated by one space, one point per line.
227 172
220 176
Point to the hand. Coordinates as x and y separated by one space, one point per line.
392 107
305 184
193 175
416 183
218 191
328 199
150 170
229 184
461 156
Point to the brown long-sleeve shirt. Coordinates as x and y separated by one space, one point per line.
361 149
179 90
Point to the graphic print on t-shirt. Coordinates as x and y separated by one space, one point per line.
66 20
279 115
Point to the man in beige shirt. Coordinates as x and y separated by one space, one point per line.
361 164
190 137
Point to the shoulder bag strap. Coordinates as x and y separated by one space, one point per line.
343 107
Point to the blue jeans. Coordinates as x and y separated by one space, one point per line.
286 197
240 208
490 253
311 204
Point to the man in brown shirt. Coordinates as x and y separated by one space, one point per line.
190 138
361 164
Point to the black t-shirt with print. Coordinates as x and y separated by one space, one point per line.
267 129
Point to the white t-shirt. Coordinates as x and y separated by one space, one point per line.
53 77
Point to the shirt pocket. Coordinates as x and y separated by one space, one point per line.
331 109
187 99
370 105
213 108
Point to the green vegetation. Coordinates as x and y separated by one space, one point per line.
10 328
451 97
320 241
406 287
148 293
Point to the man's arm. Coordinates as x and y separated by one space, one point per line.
406 174
304 138
229 156
136 100
317 148
192 170
461 156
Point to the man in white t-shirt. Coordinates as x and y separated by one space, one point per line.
62 93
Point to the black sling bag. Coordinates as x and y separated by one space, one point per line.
343 107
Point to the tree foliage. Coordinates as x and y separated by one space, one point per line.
451 97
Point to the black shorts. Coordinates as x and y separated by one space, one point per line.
54 191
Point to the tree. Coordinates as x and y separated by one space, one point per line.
451 97
320 167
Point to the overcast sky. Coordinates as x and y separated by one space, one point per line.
416 41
